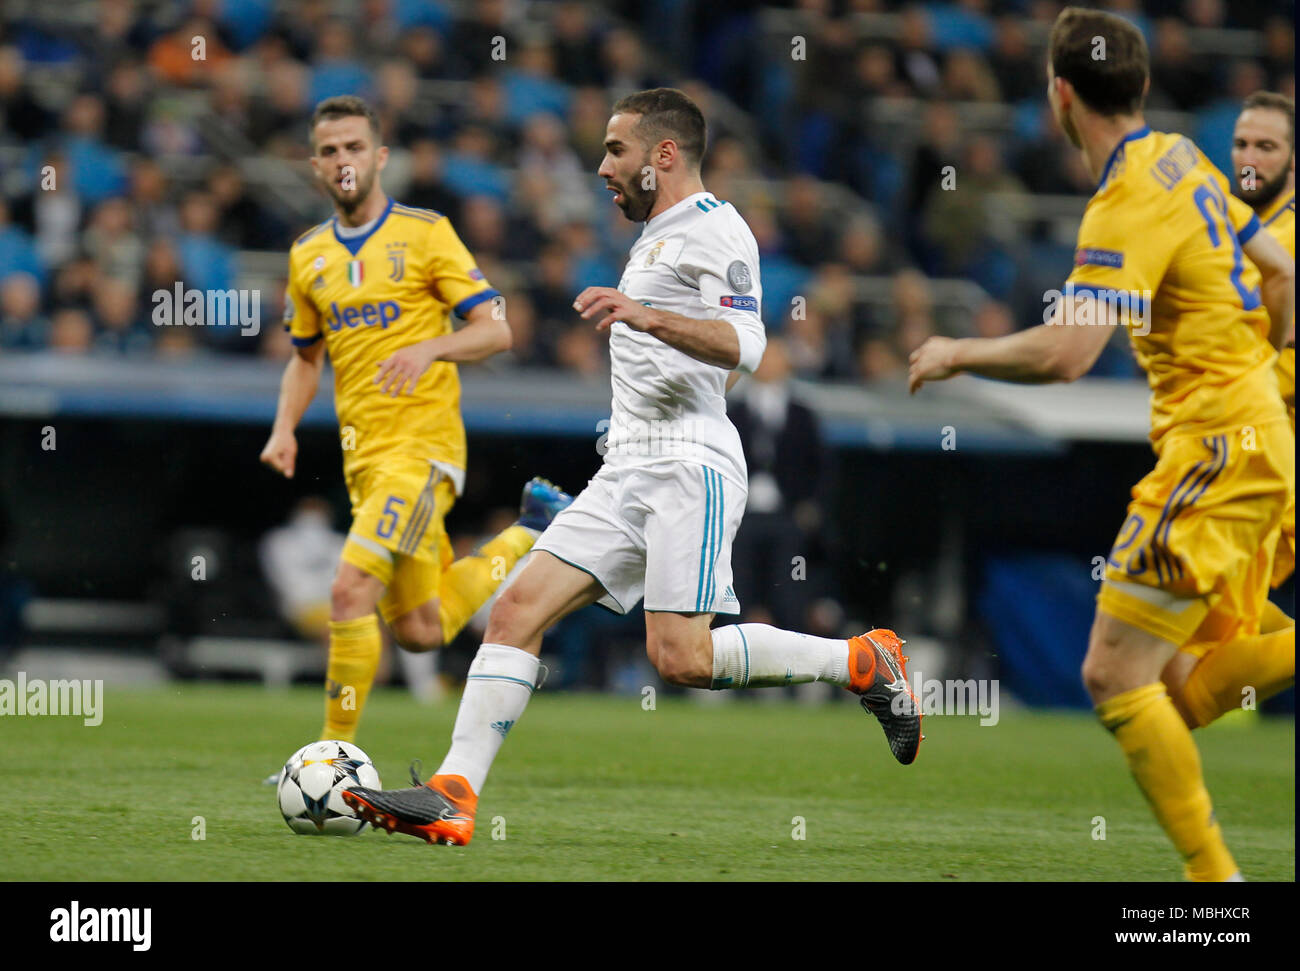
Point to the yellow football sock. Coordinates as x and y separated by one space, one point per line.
1274 618
1264 664
354 656
469 581
1164 762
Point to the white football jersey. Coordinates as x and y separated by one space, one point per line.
698 259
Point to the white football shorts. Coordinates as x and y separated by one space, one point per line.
662 532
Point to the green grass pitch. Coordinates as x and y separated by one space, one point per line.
597 788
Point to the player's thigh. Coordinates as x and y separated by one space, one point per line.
546 590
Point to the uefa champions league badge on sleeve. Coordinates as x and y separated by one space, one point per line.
739 278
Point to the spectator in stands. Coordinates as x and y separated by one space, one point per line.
575 48
22 326
207 263
153 214
74 284
52 211
110 241
119 327
1019 74
71 331
808 228
966 77
174 57
400 122
785 457
426 189
335 69
1179 78
422 48
242 222
18 252
21 115
127 98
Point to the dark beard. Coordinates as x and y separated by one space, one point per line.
1262 196
351 205
638 202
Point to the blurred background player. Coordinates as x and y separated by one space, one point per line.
376 286
1263 163
1195 555
1206 679
658 520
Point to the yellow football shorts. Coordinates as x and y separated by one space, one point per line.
1193 560
397 535
1284 558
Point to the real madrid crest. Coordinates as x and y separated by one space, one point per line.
655 250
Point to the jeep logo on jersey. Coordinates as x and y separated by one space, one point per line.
382 313
739 278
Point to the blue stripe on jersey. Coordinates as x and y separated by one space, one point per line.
305 341
472 301
1248 231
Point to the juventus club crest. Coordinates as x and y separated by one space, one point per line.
396 261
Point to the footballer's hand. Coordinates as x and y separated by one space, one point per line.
281 452
932 361
606 305
405 366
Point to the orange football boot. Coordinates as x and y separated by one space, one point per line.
878 674
438 811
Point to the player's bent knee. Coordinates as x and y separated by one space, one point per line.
348 598
680 665
513 619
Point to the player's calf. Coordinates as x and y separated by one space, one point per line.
680 647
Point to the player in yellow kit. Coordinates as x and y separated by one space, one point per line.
1213 674
375 287
1162 250
1263 162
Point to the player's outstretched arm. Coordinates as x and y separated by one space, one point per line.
1039 355
1277 287
297 388
486 332
711 341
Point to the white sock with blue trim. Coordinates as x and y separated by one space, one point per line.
759 656
501 679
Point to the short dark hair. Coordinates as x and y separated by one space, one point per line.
1273 102
667 113
1104 57
344 106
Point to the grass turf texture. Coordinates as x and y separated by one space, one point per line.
596 788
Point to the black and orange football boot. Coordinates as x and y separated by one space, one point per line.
438 811
878 675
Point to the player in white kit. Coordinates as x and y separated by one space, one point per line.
658 519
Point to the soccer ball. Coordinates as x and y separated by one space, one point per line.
311 787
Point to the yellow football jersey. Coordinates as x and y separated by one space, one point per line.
370 295
1163 229
1279 220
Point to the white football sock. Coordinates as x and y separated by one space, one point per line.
501 680
759 656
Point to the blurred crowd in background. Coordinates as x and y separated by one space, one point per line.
831 129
